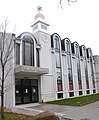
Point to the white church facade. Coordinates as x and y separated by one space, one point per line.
48 68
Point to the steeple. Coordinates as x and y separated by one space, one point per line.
39 23
39 15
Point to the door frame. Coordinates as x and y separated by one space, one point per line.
21 91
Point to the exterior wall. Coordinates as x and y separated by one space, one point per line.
65 81
96 62
47 81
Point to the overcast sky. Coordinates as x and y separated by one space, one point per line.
79 21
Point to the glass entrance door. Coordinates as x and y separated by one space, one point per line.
26 91
18 91
34 90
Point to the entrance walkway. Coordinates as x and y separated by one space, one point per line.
91 111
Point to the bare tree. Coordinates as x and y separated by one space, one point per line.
6 55
69 1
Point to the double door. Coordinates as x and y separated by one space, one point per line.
26 91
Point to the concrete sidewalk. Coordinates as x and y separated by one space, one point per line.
91 111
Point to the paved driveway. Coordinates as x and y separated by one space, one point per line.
91 111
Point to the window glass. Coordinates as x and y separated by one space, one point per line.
84 52
59 81
88 91
69 75
94 91
72 48
56 43
57 57
17 53
60 95
80 48
67 46
87 53
71 94
90 53
37 57
59 77
69 61
80 93
27 53
76 50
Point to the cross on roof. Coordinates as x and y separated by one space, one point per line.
39 8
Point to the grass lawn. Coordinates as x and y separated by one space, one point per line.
78 101
15 116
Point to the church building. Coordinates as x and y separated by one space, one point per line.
48 68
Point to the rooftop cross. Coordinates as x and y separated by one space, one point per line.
39 8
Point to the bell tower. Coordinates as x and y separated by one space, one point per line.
39 23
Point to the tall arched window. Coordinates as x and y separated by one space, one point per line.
78 65
92 67
56 44
28 50
69 64
86 68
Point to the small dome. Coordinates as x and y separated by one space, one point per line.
39 15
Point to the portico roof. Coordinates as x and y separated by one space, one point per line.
24 69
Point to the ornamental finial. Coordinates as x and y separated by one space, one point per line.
39 8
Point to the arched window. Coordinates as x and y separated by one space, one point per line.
91 65
67 46
84 52
77 50
56 44
69 63
78 65
28 50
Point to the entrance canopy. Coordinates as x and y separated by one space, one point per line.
30 70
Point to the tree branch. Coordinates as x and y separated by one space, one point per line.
7 73
8 87
72 1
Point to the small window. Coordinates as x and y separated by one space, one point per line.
43 27
80 92
88 91
35 27
60 95
71 94
94 91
